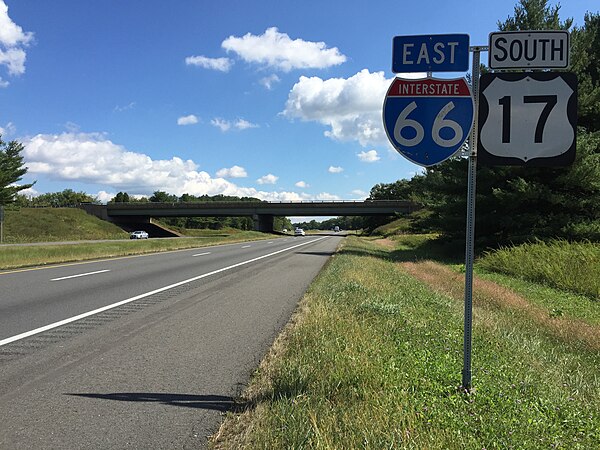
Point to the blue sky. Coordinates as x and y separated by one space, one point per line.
279 100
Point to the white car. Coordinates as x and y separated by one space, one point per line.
299 232
138 235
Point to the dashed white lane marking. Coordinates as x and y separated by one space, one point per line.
246 246
80 275
202 254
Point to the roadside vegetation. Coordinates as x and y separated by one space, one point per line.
572 266
76 228
34 255
373 359
23 225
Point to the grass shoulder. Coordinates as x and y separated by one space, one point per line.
372 359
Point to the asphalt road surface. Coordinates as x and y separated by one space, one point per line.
146 351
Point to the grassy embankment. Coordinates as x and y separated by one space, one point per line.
373 359
69 224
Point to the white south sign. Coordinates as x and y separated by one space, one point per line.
529 50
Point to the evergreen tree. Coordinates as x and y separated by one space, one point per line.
11 171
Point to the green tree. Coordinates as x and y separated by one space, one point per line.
585 62
516 204
11 171
65 198
121 197
163 197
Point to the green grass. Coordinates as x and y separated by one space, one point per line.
568 266
24 225
373 360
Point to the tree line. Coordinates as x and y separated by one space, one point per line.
517 204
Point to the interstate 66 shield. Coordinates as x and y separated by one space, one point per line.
428 120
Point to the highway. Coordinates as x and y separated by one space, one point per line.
145 351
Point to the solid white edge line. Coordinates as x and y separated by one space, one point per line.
80 275
27 334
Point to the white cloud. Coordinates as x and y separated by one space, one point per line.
369 157
12 41
350 107
334 169
269 81
327 196
14 59
3 83
127 107
360 194
220 64
187 120
268 179
302 184
11 34
226 125
242 124
92 158
232 172
275 49
8 129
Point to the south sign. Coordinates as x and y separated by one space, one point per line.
529 50
428 120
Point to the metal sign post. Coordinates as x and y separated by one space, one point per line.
470 236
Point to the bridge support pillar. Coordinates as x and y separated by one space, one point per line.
263 222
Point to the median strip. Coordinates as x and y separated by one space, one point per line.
147 294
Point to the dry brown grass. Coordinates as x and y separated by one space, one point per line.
488 294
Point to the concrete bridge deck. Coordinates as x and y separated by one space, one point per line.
262 212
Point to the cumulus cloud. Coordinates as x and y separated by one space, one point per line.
92 158
302 184
187 120
351 108
360 194
369 157
242 124
334 169
327 196
232 172
277 50
268 179
269 81
8 129
12 41
220 64
226 125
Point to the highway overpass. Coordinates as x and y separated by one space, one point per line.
262 212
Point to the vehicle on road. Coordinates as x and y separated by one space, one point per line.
299 232
336 229
138 235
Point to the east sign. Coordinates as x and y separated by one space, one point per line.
430 53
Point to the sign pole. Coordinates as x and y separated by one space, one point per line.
470 235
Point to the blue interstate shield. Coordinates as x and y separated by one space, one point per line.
428 120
